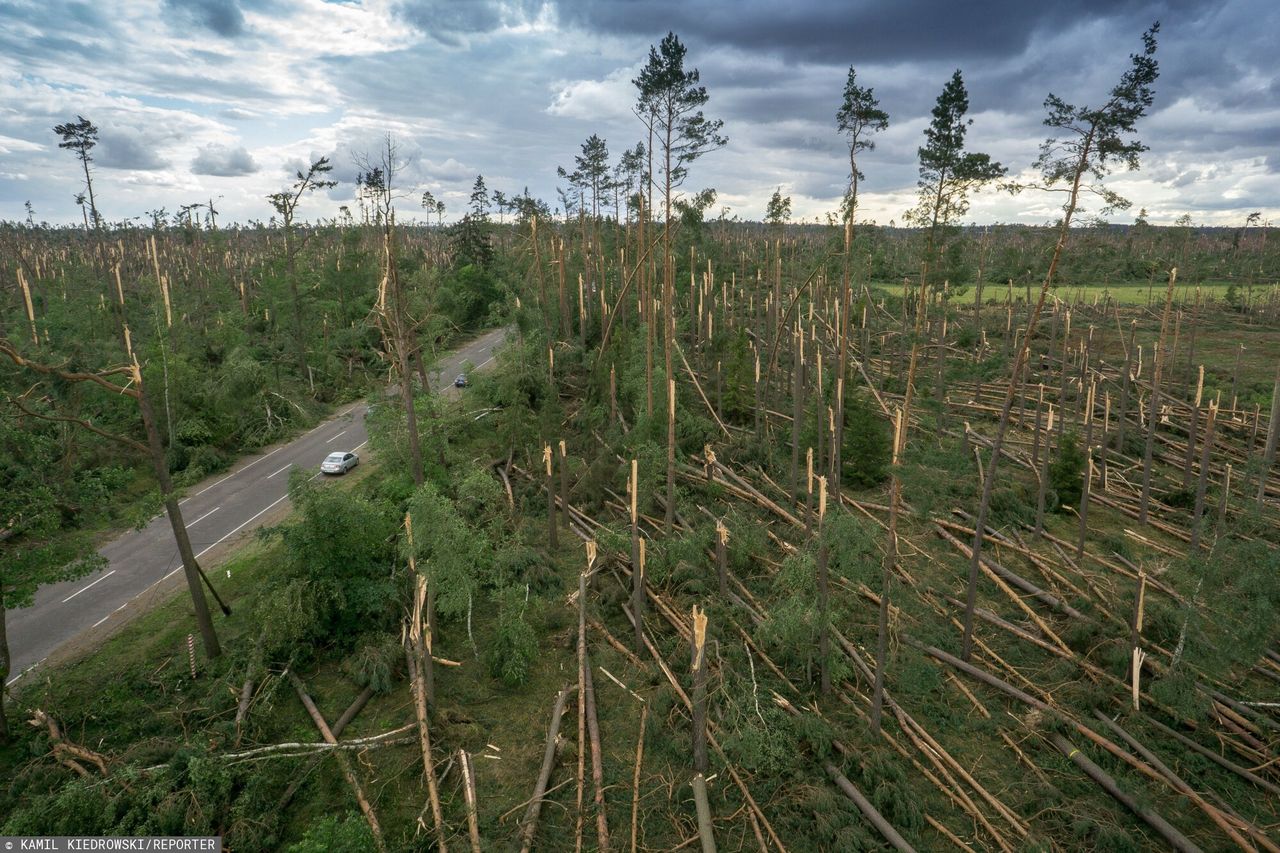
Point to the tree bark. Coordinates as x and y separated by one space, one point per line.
1153 416
190 568
529 825
997 445
5 663
1273 435
1197 518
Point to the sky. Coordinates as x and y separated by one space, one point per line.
222 100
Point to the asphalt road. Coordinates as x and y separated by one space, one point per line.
218 513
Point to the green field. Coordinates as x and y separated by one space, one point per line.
1125 294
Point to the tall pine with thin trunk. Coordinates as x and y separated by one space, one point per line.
1090 143
858 118
948 173
671 101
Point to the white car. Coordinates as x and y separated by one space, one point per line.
339 462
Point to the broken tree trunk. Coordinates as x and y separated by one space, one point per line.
1176 839
344 762
1197 517
1153 413
699 699
552 543
529 824
469 794
1273 436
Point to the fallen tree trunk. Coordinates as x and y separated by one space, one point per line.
530 821
343 762
1166 831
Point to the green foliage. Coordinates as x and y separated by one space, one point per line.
376 662
890 789
339 579
865 456
452 554
793 625
515 645
519 565
480 498
347 833
854 547
1066 473
41 544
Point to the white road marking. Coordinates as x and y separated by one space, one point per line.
360 445
15 678
103 619
203 517
483 363
233 473
336 437
98 581
225 535
285 468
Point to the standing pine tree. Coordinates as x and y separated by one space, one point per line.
471 238
858 118
1092 142
671 99
778 213
286 204
593 167
81 136
948 173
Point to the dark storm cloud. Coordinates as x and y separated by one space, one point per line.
223 162
223 17
450 22
123 149
877 31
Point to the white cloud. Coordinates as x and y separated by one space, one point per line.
596 100
223 161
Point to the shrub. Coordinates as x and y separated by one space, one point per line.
514 644
1066 473
866 444
335 834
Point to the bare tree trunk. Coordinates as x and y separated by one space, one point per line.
1125 381
191 568
564 483
1153 418
797 407
343 761
5 663
529 825
722 562
637 561
416 684
1273 435
886 576
1088 472
1015 379
469 794
552 541
1197 517
635 778
699 703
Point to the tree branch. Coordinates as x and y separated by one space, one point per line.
71 375
125 440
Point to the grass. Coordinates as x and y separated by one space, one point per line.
1124 294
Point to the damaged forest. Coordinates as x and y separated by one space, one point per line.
776 536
